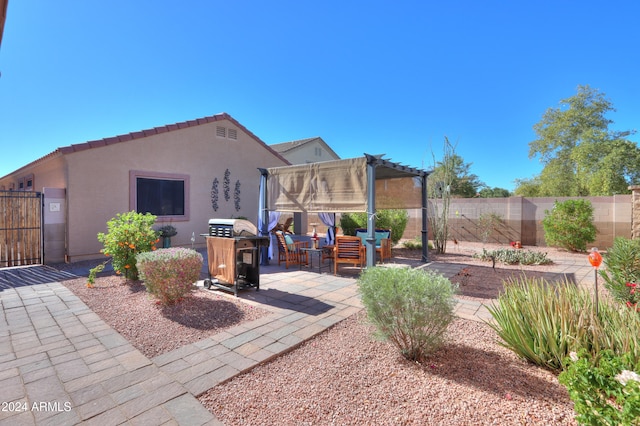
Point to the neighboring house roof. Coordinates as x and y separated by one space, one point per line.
149 132
285 147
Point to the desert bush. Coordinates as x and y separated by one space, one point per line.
543 322
605 392
169 274
569 225
128 234
514 257
416 244
488 223
622 271
394 219
409 307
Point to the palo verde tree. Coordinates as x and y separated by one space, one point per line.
582 156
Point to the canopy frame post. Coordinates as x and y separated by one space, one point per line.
264 215
371 212
425 222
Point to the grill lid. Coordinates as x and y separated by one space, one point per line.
229 228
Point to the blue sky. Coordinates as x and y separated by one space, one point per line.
375 76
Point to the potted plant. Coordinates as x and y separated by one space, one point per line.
166 232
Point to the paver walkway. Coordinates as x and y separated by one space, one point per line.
63 365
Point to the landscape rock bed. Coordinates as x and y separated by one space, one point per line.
344 376
155 329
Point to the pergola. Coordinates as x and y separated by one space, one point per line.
344 186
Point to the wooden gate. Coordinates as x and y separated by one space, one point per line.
20 228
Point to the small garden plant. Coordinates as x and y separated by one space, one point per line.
514 256
569 225
411 308
606 392
415 244
169 274
128 234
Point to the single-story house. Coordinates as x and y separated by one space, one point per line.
185 173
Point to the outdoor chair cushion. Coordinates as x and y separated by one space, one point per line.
289 241
380 234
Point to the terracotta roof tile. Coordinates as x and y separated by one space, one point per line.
148 132
96 144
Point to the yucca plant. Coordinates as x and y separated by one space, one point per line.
543 322
620 331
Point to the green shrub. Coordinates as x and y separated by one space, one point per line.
606 392
569 225
622 271
349 222
409 307
128 234
394 219
543 323
416 244
514 257
169 274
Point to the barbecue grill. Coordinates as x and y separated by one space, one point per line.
233 254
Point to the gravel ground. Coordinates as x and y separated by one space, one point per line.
155 329
344 376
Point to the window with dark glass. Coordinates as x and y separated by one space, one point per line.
160 197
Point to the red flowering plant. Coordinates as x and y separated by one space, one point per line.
128 234
622 271
634 296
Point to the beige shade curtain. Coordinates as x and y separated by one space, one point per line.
329 186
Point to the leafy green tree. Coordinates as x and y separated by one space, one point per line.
528 187
453 169
581 155
494 192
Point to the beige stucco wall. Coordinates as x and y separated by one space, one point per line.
98 180
49 172
307 153
522 219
